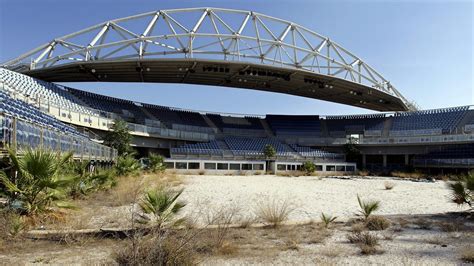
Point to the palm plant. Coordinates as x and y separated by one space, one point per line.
127 165
327 219
156 163
163 204
462 191
368 207
37 183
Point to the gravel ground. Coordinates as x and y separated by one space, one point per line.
310 195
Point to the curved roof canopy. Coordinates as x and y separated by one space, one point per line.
213 46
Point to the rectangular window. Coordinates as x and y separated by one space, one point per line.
330 168
258 166
319 167
298 167
340 168
234 166
169 165
223 166
210 166
181 165
246 166
281 167
193 165
350 168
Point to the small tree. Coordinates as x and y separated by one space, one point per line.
119 137
156 163
309 167
269 151
463 190
351 150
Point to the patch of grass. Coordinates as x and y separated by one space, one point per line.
423 224
317 236
364 238
332 251
467 254
358 227
368 250
274 212
412 175
436 240
160 249
377 223
227 248
450 226
388 185
404 223
363 173
291 244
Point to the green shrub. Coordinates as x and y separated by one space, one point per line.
127 165
38 183
368 207
462 191
156 163
163 204
308 167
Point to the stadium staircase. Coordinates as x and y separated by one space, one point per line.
324 128
267 128
211 124
150 115
227 153
387 126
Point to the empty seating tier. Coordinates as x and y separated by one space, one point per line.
128 110
438 121
299 125
42 92
357 124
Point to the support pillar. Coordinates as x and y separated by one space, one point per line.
384 160
364 161
407 159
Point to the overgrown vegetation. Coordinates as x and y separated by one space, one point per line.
377 223
34 185
308 167
156 163
163 204
462 191
119 137
274 212
127 165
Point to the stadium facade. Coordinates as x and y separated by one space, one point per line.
244 52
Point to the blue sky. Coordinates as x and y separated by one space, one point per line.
425 48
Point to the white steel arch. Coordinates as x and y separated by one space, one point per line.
206 33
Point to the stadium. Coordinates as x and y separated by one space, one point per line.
259 53
261 141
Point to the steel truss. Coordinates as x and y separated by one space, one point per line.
206 33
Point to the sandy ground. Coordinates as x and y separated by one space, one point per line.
310 195
410 244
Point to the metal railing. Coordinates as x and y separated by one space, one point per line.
20 135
